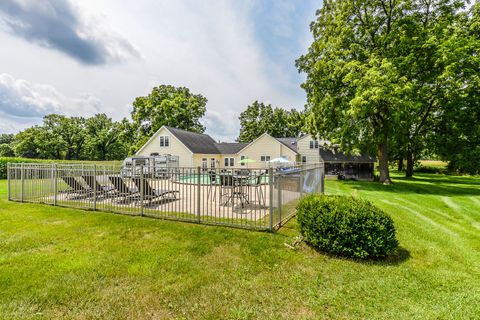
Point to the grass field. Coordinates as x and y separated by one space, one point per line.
66 263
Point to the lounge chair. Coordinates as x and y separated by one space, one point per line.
101 190
151 194
76 187
121 188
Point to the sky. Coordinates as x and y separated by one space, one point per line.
79 58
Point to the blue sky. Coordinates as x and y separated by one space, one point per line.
91 56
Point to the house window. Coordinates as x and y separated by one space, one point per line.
229 162
264 158
304 159
212 163
316 144
313 144
204 164
164 141
242 158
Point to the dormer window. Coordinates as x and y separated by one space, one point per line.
164 141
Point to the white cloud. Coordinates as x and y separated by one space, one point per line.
62 26
24 103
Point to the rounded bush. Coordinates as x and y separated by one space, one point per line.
346 226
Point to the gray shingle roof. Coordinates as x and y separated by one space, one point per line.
335 155
196 142
230 148
289 142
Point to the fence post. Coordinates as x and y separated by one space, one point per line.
279 199
302 172
54 182
270 197
95 187
322 178
198 195
8 181
22 181
141 189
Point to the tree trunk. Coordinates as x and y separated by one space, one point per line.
400 164
410 163
383 162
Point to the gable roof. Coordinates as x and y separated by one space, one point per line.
230 148
335 155
289 142
195 142
283 141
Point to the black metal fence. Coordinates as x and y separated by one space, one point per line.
248 198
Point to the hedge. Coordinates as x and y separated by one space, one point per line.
346 226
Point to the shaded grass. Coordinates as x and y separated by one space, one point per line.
66 263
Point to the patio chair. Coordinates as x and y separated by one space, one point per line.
76 187
151 194
257 186
96 186
122 189
213 184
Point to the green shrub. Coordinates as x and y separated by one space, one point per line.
346 226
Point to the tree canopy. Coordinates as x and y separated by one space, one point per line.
375 74
73 138
259 118
167 105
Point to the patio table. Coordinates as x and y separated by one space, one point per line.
239 187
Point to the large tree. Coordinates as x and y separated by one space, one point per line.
457 134
66 133
260 118
167 105
372 73
6 149
26 143
105 140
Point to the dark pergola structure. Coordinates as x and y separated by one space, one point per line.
337 163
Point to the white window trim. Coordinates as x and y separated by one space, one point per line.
229 162
165 138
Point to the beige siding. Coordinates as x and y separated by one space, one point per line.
198 159
176 148
303 147
265 146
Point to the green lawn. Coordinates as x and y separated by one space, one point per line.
65 263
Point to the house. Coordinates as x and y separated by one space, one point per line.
198 149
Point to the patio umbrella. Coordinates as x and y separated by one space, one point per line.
279 160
